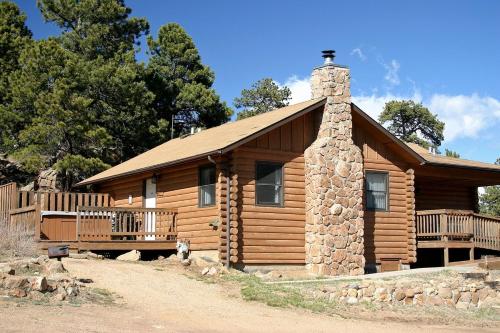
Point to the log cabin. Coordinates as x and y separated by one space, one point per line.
318 184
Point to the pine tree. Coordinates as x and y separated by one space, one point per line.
264 96
412 122
182 85
14 37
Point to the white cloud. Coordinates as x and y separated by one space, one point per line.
392 74
465 116
359 53
374 104
300 88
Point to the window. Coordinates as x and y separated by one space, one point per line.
376 191
206 188
269 184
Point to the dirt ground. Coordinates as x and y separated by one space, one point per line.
151 299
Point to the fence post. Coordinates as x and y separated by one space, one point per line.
38 215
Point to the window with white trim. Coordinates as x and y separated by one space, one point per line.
376 189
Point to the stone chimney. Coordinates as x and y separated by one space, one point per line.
334 179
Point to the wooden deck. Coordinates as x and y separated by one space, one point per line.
457 229
85 221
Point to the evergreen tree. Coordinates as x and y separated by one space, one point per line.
264 96
79 100
412 122
182 85
14 37
451 153
489 202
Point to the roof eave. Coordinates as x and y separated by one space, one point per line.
146 169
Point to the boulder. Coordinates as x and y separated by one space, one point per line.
53 266
13 282
212 271
204 271
6 269
352 300
133 255
39 283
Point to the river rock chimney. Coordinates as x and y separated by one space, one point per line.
334 179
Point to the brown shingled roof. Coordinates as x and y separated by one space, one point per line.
437 159
220 139
215 140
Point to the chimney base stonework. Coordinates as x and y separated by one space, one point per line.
334 182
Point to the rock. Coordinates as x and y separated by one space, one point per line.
85 280
172 258
78 256
465 297
60 297
409 293
204 271
92 255
475 298
161 258
435 300
212 271
36 295
399 295
186 262
72 291
445 293
18 292
6 269
133 255
462 305
368 292
42 259
352 300
53 266
13 282
39 284
352 292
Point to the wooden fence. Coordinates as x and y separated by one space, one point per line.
462 225
7 195
23 209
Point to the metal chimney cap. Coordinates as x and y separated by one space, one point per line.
328 55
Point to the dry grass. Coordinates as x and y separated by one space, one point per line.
16 241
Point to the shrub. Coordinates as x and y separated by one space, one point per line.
16 240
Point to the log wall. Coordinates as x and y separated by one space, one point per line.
440 195
176 188
274 235
387 233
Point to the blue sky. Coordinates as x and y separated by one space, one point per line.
445 54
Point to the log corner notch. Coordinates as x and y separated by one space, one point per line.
228 207
410 208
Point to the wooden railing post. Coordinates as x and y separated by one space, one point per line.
78 220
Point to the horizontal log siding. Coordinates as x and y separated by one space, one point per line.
439 195
177 188
387 234
274 235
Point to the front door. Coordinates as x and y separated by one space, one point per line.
150 202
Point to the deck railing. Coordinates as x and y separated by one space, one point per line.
445 224
133 224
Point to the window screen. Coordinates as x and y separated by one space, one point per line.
269 184
376 191
206 188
